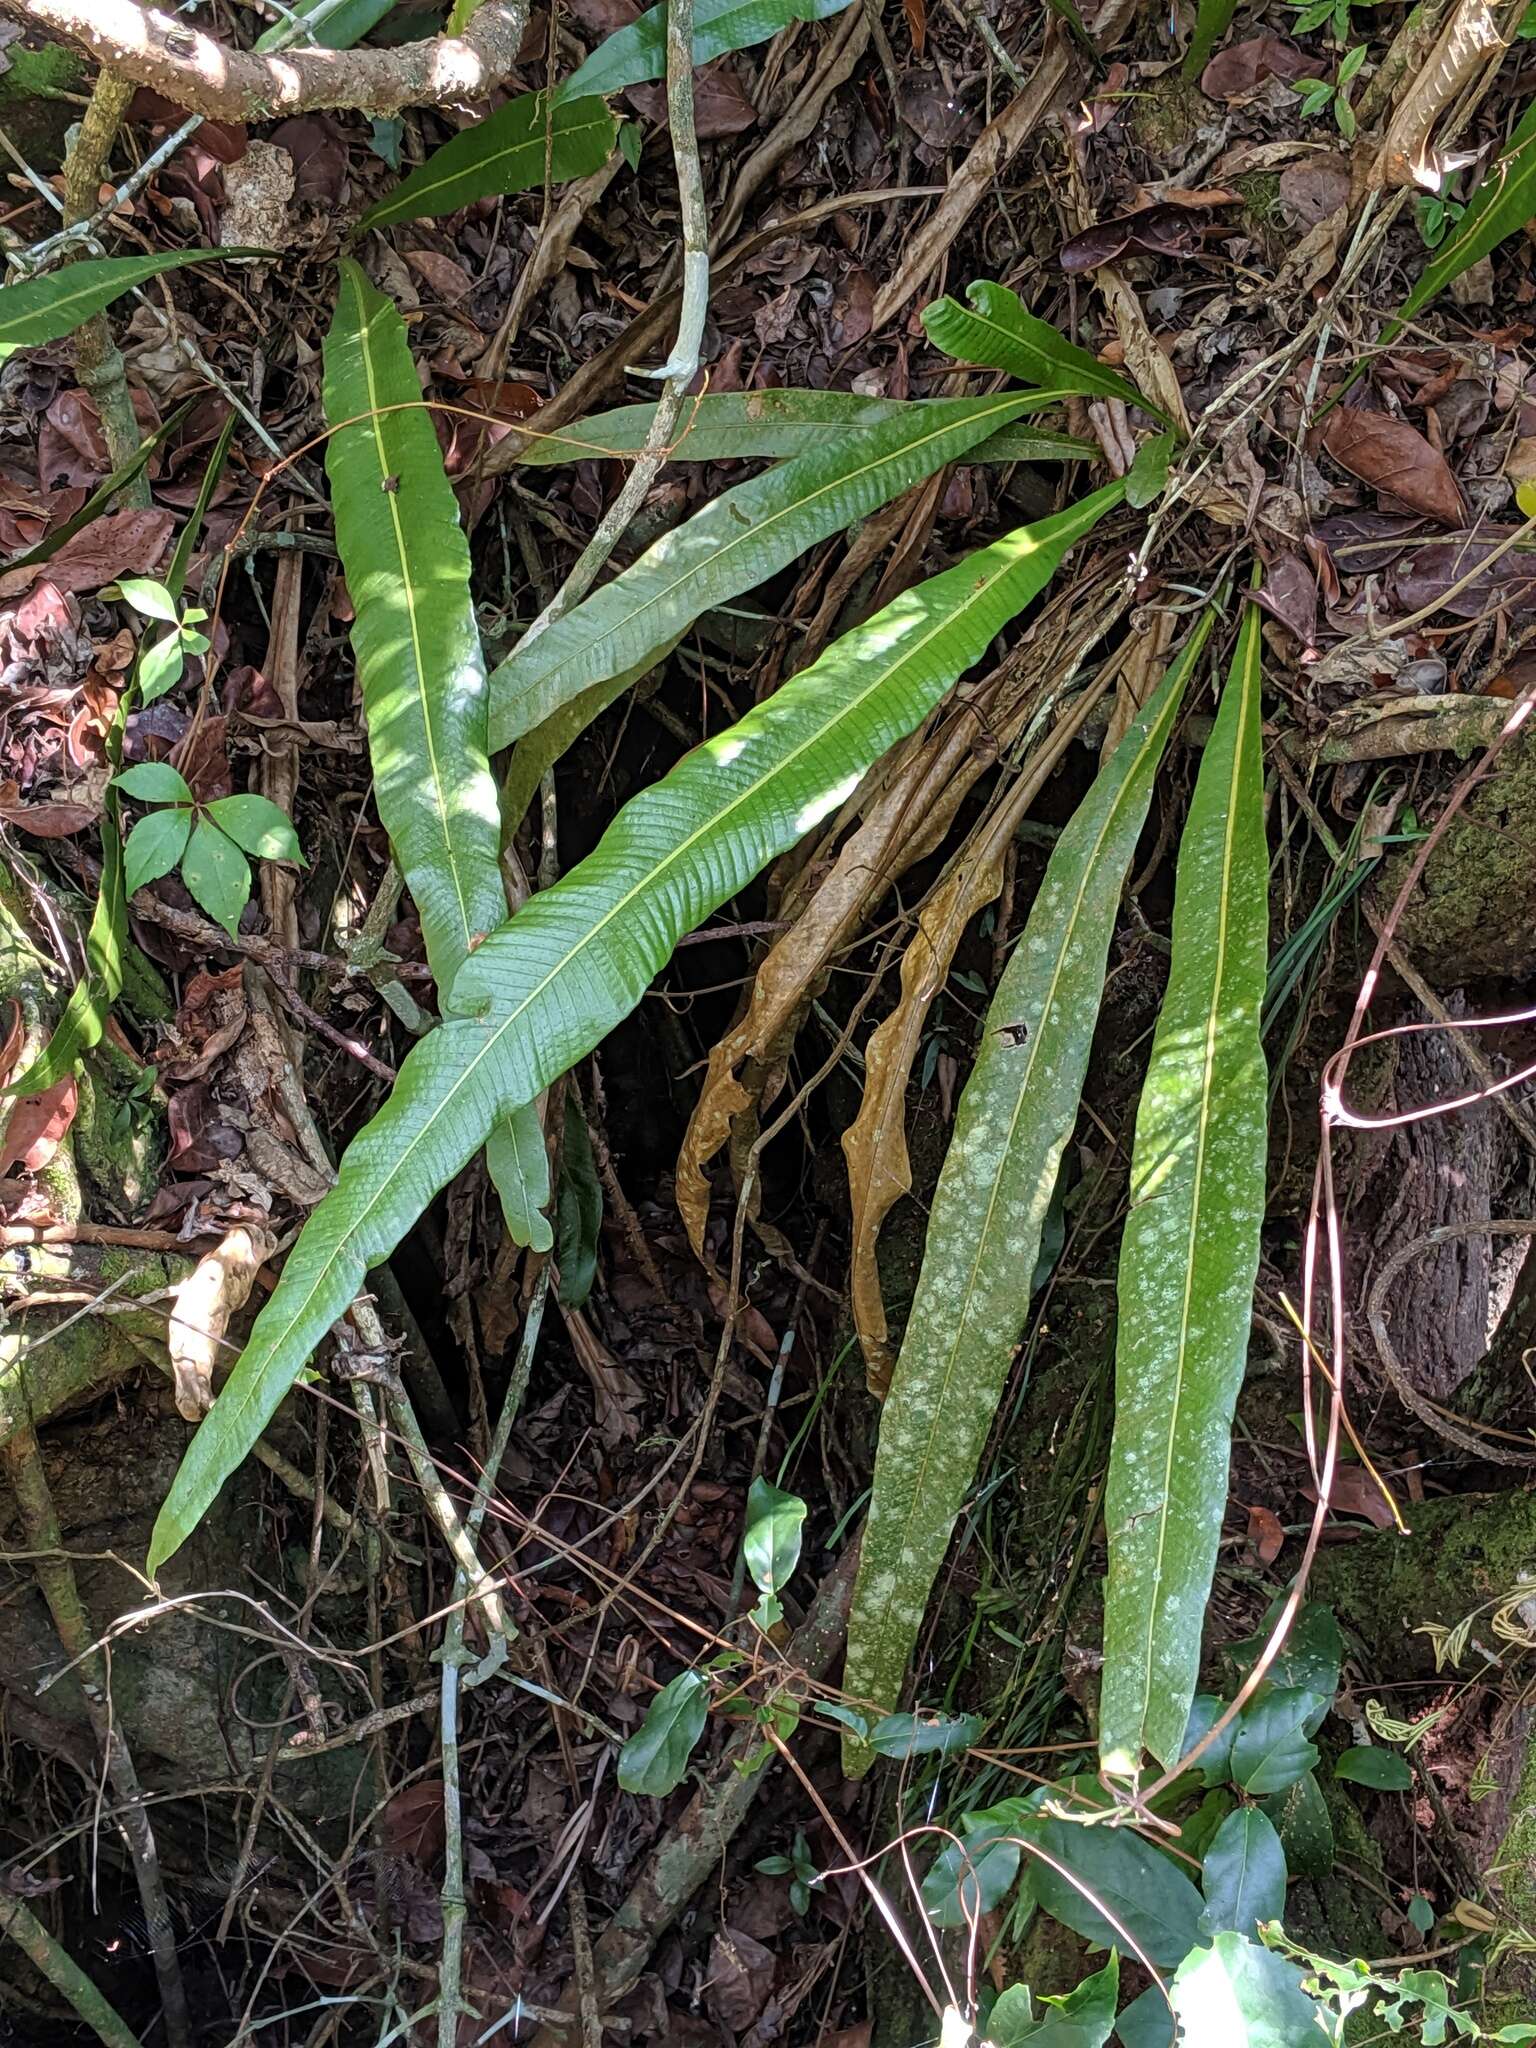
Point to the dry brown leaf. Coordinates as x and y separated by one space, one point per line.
616 1394
217 1286
1238 71
902 824
130 543
1393 456
37 1125
1150 368
1266 1537
1467 42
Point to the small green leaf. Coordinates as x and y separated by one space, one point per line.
1190 1250
1243 1875
160 666
654 1761
904 1735
1080 2018
154 782
1383 1770
1235 1994
1421 1913
639 51
975 1874
771 1545
1304 1825
999 332
1353 59
149 598
218 875
1270 1749
154 846
42 309
1309 1659
579 1213
257 824
1148 475
631 143
506 152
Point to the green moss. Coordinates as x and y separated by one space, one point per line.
1462 1553
1167 115
42 91
1474 912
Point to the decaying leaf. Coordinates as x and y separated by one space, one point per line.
1394 457
218 1285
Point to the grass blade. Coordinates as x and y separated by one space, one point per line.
1191 1247
580 955
745 536
418 659
1015 1117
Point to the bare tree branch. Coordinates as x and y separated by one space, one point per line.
184 65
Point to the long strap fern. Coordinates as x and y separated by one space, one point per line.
747 535
423 677
547 987
1015 1116
1191 1247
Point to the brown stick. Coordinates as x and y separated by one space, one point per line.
207 77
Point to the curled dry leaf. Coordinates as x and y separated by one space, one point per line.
37 1126
1467 42
218 1285
1392 456
1156 231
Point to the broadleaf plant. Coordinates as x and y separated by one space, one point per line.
42 309
208 842
1190 1251
546 987
998 331
1015 1117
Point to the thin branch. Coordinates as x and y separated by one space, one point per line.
195 71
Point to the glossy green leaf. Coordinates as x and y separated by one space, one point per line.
1235 1994
218 875
154 782
1014 1120
1146 2021
1214 1761
154 846
1080 2018
258 825
771 1544
1270 1749
508 151
1309 1660
47 308
542 991
639 52
1243 1875
748 534
975 1874
654 1761
727 426
1502 205
998 331
150 599
579 1211
907 1735
1383 1770
1212 20
1117 1873
538 751
1190 1251
1304 1825
425 693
